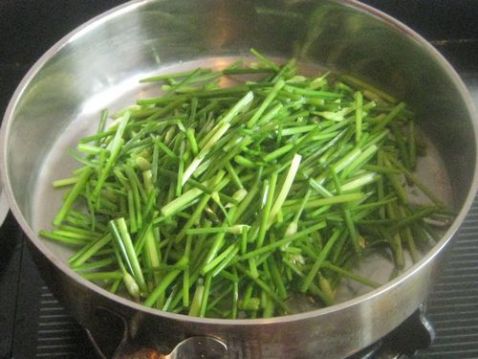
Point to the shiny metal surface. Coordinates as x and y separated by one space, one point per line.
97 66
198 347
4 208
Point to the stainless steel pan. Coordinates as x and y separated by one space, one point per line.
98 66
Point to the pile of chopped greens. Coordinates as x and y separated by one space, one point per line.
227 202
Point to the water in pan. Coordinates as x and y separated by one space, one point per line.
58 164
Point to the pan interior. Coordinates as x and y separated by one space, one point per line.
58 164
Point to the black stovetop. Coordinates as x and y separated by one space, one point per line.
34 324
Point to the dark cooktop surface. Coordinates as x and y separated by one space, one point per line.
34 324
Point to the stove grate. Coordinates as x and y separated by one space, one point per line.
58 334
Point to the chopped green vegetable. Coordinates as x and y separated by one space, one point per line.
227 202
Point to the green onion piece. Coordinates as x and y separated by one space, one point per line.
289 179
123 240
166 281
